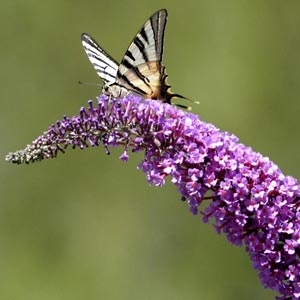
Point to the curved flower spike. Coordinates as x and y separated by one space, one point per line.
251 201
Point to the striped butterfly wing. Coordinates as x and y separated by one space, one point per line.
105 66
141 70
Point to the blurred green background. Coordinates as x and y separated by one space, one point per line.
88 226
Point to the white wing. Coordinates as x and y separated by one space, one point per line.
144 56
104 64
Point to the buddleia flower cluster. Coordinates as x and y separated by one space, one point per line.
250 200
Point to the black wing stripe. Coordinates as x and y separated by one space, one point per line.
128 65
130 84
142 77
141 47
144 35
112 77
129 54
94 55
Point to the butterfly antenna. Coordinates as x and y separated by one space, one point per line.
89 83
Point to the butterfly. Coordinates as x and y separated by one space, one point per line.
141 71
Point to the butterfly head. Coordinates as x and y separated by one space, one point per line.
114 90
105 89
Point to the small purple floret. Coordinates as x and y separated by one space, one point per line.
251 201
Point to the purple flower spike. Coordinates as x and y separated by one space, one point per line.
251 201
